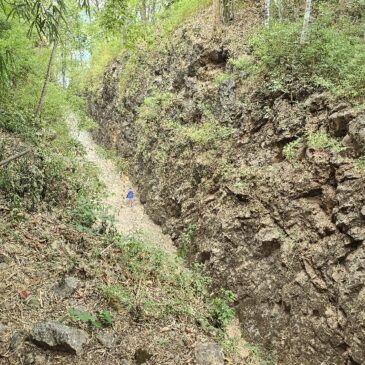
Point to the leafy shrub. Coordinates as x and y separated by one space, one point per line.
333 58
101 319
222 77
18 122
221 312
205 133
157 285
360 164
85 213
244 65
321 141
186 240
291 149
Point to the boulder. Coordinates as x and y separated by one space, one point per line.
357 132
209 354
57 336
106 339
66 287
339 122
16 340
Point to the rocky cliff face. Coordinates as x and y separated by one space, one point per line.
251 183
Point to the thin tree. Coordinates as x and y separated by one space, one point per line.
267 12
216 13
227 10
342 7
47 77
144 15
307 16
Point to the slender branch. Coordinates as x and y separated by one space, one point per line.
14 157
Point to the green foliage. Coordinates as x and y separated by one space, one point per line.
222 77
179 12
186 240
204 134
122 20
156 284
157 116
121 294
97 321
221 312
321 141
244 65
333 58
256 356
85 213
360 164
19 122
45 16
291 149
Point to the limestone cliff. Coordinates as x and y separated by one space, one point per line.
209 150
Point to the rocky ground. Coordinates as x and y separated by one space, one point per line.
254 183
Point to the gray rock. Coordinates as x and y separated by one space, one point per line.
66 287
125 362
357 132
106 339
339 121
209 354
16 340
316 102
56 336
362 213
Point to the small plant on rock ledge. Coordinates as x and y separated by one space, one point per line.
291 149
360 164
186 240
100 320
221 312
322 141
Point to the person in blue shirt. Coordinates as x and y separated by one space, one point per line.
130 197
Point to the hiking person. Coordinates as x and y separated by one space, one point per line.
130 197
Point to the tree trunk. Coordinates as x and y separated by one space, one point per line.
216 13
342 7
267 12
227 10
307 16
144 11
46 81
63 70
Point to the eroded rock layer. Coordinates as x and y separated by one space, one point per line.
209 151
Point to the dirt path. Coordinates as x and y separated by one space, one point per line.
128 219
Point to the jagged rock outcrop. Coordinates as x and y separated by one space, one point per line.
206 151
